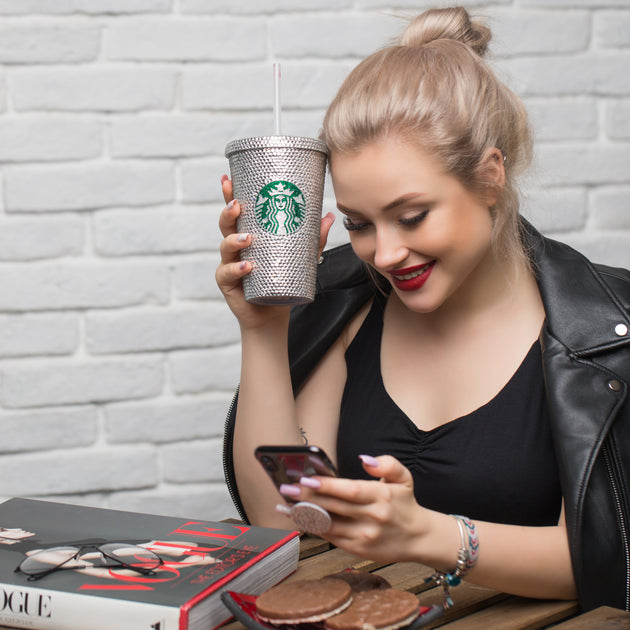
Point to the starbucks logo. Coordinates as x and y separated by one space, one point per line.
280 207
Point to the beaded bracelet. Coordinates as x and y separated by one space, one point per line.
473 540
466 558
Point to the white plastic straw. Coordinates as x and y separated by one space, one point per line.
276 100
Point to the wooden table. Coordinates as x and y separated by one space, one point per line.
475 608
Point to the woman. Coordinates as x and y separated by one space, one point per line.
483 373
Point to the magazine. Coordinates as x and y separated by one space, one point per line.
130 570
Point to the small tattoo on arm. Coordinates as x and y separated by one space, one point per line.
303 434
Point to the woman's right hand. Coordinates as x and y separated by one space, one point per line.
231 269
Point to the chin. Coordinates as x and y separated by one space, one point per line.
417 303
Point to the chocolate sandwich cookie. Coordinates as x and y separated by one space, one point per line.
386 609
303 601
361 580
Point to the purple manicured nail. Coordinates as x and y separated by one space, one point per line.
368 460
289 490
310 483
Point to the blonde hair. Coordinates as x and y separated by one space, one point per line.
434 89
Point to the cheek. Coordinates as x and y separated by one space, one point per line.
363 247
473 227
481 229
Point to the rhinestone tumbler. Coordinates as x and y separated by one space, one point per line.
279 183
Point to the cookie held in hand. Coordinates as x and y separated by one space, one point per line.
386 609
303 601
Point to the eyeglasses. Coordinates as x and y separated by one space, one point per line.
119 555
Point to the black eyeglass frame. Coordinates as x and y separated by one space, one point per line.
32 576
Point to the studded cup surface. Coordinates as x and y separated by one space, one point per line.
288 171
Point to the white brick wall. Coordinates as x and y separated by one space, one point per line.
118 356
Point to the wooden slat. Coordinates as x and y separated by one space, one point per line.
331 562
407 576
312 545
604 618
516 613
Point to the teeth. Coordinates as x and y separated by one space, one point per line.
413 274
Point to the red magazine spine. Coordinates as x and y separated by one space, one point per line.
186 608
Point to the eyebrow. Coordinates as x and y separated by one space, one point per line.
400 201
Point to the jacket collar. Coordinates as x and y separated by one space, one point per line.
582 311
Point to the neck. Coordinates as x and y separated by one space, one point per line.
491 292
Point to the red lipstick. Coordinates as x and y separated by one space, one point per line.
411 278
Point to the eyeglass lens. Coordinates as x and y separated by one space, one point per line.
47 559
123 554
131 555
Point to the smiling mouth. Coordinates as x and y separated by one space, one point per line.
412 278
411 272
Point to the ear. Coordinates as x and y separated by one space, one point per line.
493 174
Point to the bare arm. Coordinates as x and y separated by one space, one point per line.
527 561
266 412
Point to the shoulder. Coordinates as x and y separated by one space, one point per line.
583 300
564 271
343 289
355 324
340 269
617 278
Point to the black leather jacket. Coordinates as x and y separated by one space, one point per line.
586 364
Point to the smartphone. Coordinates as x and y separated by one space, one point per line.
287 464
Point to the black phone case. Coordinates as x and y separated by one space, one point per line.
287 464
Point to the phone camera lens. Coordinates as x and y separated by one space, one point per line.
268 463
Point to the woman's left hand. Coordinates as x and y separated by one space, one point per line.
378 519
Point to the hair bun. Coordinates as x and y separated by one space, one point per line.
453 23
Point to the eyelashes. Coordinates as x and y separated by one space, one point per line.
418 218
351 226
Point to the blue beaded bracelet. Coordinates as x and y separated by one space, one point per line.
466 559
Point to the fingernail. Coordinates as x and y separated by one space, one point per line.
242 265
289 490
224 178
283 509
308 482
231 204
241 238
368 460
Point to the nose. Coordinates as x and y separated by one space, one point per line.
390 249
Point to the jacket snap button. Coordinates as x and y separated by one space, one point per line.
615 385
621 330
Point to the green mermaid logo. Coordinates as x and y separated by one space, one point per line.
280 207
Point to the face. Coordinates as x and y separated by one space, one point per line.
413 223
280 201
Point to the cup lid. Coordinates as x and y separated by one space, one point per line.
275 142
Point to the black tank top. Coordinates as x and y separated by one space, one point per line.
495 464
